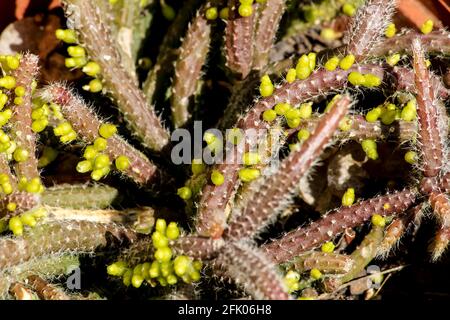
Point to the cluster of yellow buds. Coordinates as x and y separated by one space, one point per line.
305 65
5 184
78 59
29 218
164 269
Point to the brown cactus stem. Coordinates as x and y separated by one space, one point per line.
21 118
239 39
138 252
368 26
193 52
361 129
362 256
430 134
332 263
441 207
277 189
95 37
156 79
440 243
22 292
45 290
397 229
270 15
306 238
197 247
435 42
23 200
211 218
249 268
57 238
86 124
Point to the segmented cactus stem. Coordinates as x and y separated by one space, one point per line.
362 256
24 201
21 118
239 39
434 42
197 247
59 237
248 267
86 123
45 290
96 196
430 125
397 228
270 13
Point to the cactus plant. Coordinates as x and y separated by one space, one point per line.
267 205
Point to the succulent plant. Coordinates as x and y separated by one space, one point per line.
304 126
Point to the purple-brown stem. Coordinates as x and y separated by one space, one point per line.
277 190
239 39
86 18
306 238
21 118
249 267
430 136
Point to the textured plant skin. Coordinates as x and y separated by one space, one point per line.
192 56
361 129
21 292
435 42
430 134
368 26
211 217
440 204
21 119
305 238
86 124
270 198
57 238
144 122
5 169
405 82
239 39
71 196
130 22
251 269
362 256
397 229
24 201
226 213
440 243
269 17
198 247
330 263
45 290
129 218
